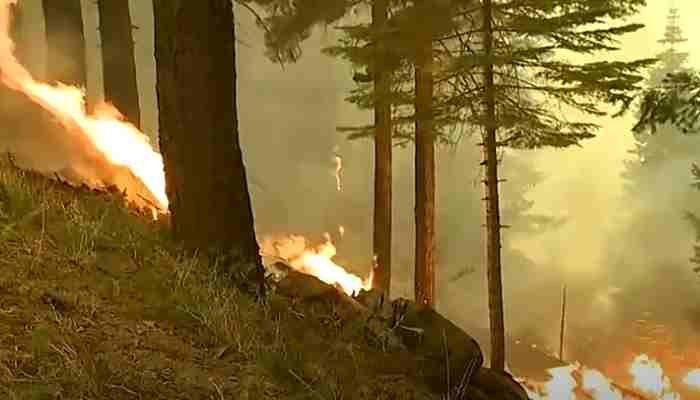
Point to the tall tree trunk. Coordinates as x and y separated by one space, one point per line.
118 61
205 175
382 154
65 40
493 219
424 168
16 35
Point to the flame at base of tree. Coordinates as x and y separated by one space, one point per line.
318 261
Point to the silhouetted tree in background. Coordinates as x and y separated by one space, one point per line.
65 40
118 61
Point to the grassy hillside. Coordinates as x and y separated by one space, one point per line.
96 303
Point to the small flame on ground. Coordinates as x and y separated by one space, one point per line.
341 230
692 379
649 377
316 261
599 386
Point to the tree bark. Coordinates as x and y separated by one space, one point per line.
493 223
65 40
118 60
15 31
382 154
424 168
196 86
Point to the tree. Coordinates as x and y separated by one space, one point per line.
118 61
424 159
205 174
382 153
654 149
65 41
493 216
520 52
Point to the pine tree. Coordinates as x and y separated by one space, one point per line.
205 174
118 58
534 65
286 27
382 155
653 149
520 49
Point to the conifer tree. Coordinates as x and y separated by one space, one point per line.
286 27
500 67
503 70
653 149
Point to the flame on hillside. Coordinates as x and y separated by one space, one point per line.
121 143
298 253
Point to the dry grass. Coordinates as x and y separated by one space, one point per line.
96 303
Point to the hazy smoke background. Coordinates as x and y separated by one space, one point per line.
619 255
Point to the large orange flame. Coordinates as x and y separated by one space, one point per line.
119 141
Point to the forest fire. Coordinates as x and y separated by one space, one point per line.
648 381
296 251
120 142
124 145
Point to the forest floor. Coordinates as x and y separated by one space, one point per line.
97 303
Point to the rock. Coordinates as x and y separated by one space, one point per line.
444 351
301 286
498 385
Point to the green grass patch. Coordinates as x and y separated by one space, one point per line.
96 302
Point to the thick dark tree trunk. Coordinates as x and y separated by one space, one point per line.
424 169
118 62
196 86
493 219
382 155
65 41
